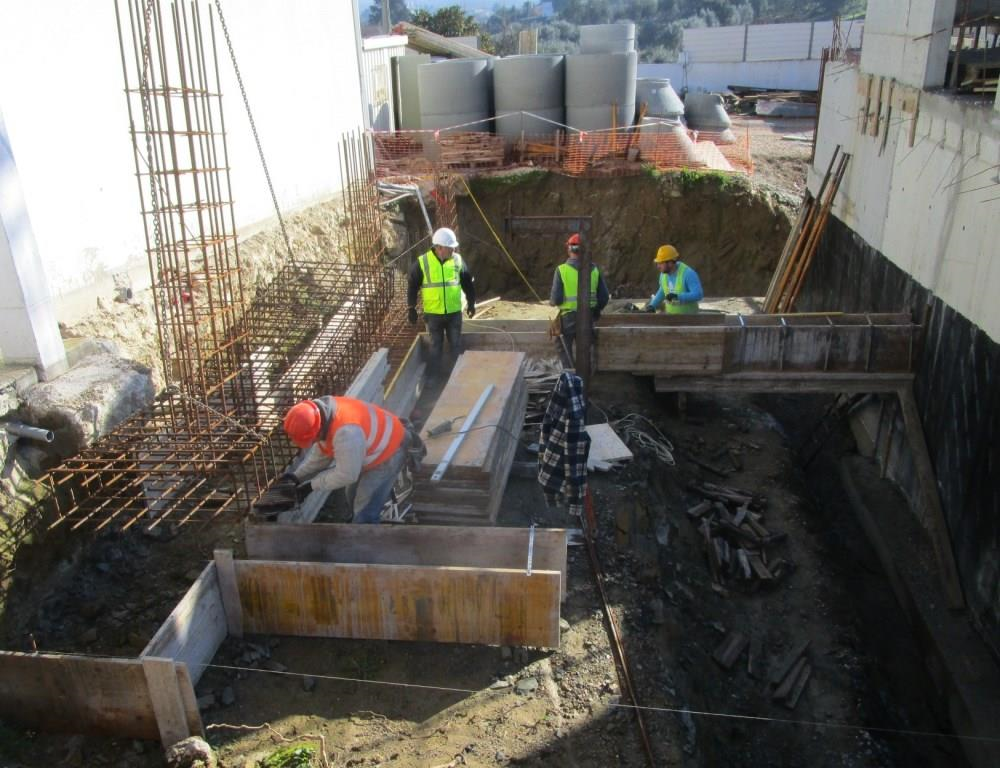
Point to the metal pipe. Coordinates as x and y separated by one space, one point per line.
32 433
410 189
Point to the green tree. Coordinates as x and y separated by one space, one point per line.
397 12
452 21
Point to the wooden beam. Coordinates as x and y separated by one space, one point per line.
165 695
230 594
695 351
440 545
195 629
934 512
488 606
77 694
784 382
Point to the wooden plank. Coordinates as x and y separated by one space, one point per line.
933 511
489 606
195 629
473 372
788 682
783 667
165 694
537 343
605 445
661 350
442 545
368 385
792 699
230 594
784 382
402 392
730 649
190 701
77 694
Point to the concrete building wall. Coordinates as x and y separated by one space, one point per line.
931 207
916 226
61 95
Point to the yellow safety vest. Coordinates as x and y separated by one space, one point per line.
677 308
568 275
441 289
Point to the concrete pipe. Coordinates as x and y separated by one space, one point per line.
607 38
593 83
659 96
533 84
455 92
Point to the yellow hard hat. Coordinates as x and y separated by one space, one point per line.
666 253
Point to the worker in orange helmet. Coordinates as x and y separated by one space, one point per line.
564 295
346 442
679 287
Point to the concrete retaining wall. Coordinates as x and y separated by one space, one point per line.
958 394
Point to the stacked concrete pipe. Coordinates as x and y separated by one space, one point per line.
458 92
534 84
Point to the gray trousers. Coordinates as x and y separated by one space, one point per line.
438 326
566 342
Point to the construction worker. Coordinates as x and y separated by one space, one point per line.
347 441
442 277
564 296
680 287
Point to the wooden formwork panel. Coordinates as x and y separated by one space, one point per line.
195 629
443 545
81 694
661 350
399 602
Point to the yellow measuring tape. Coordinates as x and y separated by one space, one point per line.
499 241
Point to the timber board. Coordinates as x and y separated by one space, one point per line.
696 350
82 694
449 545
195 629
486 606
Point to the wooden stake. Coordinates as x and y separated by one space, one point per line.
226 572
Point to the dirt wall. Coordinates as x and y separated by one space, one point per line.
726 227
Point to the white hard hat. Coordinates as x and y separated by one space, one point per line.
445 237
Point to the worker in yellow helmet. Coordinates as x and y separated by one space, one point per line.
564 295
680 289
442 277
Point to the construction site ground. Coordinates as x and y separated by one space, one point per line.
412 704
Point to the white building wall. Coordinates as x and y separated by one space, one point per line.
932 208
61 94
712 76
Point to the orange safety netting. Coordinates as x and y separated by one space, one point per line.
619 152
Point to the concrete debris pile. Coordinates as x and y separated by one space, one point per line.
737 544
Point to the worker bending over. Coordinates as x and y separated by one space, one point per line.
680 287
564 295
347 441
442 276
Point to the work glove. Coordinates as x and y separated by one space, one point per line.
302 490
649 308
671 297
411 315
470 310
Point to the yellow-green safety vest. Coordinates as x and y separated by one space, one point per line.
441 289
568 275
677 308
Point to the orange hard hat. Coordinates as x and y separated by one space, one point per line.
302 423
573 240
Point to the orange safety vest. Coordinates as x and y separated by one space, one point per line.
383 430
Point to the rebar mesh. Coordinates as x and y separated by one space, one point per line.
213 442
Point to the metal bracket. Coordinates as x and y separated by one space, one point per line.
531 548
457 442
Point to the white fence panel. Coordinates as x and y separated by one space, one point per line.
778 42
714 43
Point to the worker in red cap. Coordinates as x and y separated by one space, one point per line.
347 441
564 296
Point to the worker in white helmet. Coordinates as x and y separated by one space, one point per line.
442 276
